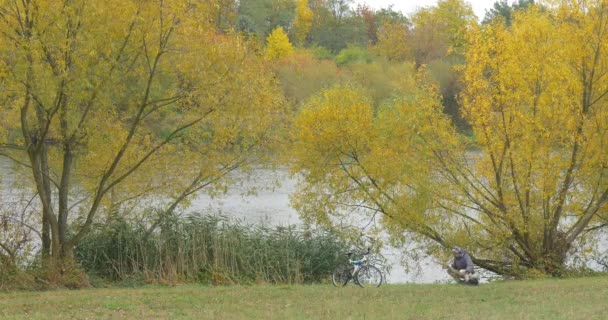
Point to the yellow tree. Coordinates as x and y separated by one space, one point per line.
278 45
438 41
302 23
528 190
103 106
441 30
359 163
536 99
393 42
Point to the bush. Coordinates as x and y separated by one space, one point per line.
14 279
352 55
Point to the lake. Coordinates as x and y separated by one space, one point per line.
270 206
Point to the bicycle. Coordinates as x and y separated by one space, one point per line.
362 272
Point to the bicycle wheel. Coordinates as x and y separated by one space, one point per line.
341 275
369 276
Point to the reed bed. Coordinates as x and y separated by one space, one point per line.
209 250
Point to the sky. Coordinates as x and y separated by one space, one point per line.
409 6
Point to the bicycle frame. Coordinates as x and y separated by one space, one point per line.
351 270
357 264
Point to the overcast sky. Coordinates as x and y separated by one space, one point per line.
409 6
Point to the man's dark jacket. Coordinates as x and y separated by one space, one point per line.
463 261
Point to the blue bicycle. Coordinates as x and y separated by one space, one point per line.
361 271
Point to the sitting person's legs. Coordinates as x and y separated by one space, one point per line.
459 275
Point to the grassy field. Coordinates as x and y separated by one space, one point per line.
584 298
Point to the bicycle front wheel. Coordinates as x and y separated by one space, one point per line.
341 275
369 276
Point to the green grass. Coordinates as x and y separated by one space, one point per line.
583 298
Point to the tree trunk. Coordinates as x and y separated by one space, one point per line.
46 237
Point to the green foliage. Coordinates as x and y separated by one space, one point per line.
321 53
245 24
263 16
338 26
352 55
391 16
210 250
12 278
502 10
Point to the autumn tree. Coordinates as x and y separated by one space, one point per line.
381 23
278 45
538 109
302 23
438 41
105 106
393 42
527 193
440 30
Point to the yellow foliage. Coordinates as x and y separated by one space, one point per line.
521 191
302 22
535 102
393 42
115 105
346 149
278 45
441 30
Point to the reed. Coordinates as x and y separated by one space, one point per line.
210 250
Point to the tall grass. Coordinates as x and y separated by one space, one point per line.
210 250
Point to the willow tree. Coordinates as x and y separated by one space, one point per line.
536 99
114 100
528 189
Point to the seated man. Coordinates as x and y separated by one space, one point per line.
462 269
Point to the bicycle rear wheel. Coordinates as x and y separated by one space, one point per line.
341 275
369 276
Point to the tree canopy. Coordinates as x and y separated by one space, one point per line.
528 190
105 106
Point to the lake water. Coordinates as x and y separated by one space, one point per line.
270 206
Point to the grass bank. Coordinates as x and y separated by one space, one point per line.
583 298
